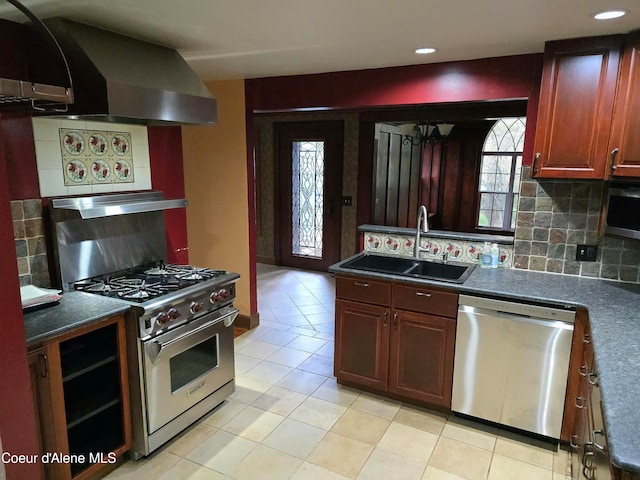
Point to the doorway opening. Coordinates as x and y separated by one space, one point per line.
309 181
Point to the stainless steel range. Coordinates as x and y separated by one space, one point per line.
180 329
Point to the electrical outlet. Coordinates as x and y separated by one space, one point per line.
586 253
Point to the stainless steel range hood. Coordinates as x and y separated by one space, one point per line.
16 91
117 204
122 79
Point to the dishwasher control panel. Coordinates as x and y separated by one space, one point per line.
516 308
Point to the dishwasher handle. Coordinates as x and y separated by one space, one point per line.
549 323
565 314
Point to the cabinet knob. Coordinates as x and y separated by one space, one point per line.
395 320
579 402
360 284
614 153
583 370
385 315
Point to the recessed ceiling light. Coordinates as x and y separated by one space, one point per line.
425 50
609 14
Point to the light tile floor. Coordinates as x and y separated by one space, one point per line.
289 419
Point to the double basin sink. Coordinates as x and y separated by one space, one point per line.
411 267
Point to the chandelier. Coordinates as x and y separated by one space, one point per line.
428 133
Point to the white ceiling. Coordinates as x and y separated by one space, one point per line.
226 39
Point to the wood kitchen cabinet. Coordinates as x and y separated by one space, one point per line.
396 339
577 95
580 365
81 393
422 343
41 389
362 333
583 423
624 143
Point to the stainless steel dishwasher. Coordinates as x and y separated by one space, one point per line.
511 363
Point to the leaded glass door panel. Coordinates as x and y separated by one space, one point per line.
310 159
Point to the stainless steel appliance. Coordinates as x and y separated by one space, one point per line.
623 212
511 363
180 329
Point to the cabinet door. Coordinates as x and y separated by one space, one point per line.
624 146
362 344
576 394
576 107
46 381
39 374
601 460
421 359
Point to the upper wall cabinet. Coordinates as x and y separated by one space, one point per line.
577 97
624 143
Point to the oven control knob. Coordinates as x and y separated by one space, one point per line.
219 296
196 307
163 318
173 313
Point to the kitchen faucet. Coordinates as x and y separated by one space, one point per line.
422 217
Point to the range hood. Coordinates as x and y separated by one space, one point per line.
18 90
117 204
125 80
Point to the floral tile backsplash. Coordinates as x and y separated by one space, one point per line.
78 157
90 157
456 250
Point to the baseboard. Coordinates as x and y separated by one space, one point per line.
247 321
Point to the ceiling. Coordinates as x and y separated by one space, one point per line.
230 39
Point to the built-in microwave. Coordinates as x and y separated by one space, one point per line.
623 212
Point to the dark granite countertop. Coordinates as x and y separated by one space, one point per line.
614 315
74 310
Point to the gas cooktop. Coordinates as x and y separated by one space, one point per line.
146 282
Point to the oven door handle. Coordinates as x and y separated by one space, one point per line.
154 349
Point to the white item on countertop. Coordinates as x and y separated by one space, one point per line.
33 296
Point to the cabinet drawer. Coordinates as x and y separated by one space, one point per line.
425 300
363 290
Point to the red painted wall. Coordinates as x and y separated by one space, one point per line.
16 135
17 419
167 175
472 80
488 79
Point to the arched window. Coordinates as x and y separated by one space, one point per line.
500 175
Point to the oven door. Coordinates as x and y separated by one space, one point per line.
185 365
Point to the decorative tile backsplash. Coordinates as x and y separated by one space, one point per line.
77 157
554 216
456 250
90 156
28 232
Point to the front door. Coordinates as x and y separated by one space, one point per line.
310 184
